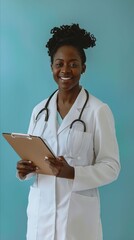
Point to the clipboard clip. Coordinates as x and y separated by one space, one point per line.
21 135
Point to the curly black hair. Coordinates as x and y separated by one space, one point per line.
70 35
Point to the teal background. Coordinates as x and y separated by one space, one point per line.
26 79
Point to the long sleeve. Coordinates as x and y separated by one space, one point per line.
106 166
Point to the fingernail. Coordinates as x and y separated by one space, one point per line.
29 161
46 158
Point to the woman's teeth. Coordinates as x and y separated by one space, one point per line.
65 78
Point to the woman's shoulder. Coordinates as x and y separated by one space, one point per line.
95 102
40 105
98 106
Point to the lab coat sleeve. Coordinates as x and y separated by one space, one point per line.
30 175
30 129
106 166
32 122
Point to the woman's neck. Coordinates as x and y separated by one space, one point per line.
68 97
65 100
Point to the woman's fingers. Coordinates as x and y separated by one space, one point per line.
55 164
25 167
54 161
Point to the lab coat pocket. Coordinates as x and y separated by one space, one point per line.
32 213
83 217
78 142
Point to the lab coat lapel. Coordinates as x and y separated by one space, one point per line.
74 111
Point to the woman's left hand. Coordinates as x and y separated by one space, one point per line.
60 167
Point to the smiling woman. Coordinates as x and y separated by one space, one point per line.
67 68
66 205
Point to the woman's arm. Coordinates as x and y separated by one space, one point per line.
106 166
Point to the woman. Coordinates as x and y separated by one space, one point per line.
66 206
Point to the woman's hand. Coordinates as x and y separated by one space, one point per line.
25 167
60 167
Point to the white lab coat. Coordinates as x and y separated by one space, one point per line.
63 209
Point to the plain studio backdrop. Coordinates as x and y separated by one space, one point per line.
26 79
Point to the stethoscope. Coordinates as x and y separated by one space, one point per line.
45 109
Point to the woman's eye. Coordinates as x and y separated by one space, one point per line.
61 64
73 65
58 65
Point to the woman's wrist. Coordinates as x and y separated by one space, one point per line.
71 173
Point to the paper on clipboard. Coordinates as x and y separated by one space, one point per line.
32 148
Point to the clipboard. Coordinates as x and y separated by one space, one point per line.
31 148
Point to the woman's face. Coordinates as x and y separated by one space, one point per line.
67 67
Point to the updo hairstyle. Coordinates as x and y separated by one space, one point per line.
70 35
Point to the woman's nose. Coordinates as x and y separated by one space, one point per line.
65 69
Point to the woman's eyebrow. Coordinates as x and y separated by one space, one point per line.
73 59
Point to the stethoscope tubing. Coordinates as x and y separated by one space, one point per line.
76 120
46 107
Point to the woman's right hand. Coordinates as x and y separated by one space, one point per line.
25 167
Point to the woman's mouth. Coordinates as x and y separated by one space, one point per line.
64 79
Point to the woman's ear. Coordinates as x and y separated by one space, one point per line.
83 68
